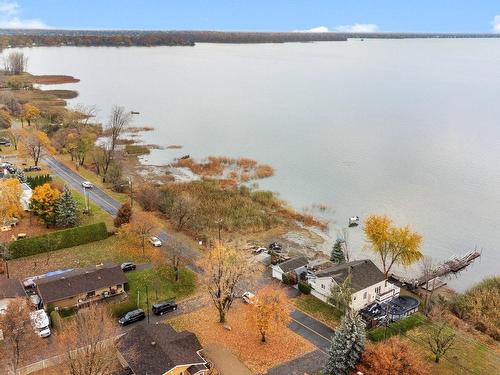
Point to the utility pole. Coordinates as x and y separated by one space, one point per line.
147 301
130 191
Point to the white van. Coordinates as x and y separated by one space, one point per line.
40 322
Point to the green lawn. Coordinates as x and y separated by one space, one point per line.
318 309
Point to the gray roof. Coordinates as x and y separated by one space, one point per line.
157 348
293 264
364 273
83 280
11 288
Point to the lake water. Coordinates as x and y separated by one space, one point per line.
409 128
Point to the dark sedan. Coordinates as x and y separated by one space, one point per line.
131 317
128 266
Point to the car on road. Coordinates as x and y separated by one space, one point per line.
163 307
248 297
131 317
155 241
128 266
32 168
87 184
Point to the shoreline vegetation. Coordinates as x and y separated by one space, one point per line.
11 38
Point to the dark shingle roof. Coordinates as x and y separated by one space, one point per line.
69 284
156 349
11 288
293 264
364 273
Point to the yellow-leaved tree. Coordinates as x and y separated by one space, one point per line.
10 194
30 113
269 311
43 202
394 245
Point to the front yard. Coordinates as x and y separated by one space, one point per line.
242 340
161 285
318 309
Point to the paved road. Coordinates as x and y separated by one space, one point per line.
304 325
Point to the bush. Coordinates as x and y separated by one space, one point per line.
120 309
396 328
55 320
293 278
58 240
38 180
285 279
304 287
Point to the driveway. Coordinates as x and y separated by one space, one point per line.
310 363
225 361
311 329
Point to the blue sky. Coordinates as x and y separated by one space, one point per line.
258 15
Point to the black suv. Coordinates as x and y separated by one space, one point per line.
128 266
132 316
32 168
161 308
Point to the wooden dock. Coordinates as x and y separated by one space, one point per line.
452 265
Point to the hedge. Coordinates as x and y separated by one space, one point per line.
304 287
396 328
58 240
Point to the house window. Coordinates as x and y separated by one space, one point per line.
377 289
323 286
364 295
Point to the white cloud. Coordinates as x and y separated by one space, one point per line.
496 24
9 19
358 28
319 29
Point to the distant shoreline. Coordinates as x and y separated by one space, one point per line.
123 38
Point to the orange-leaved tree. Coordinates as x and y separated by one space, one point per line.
10 194
43 202
269 311
394 245
394 356
140 228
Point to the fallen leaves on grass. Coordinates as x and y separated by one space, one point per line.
242 340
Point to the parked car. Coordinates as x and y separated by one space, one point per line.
5 164
32 168
87 184
4 142
155 241
11 169
163 307
248 297
259 250
275 246
131 317
128 266
40 322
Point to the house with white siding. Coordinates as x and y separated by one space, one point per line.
367 281
297 265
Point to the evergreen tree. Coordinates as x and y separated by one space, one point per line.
123 215
66 211
348 344
337 254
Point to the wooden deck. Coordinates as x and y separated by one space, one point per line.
452 265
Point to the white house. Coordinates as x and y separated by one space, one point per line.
367 281
298 265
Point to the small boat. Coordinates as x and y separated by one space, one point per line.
134 112
354 221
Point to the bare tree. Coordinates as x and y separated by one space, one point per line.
15 63
88 342
428 269
440 339
183 210
14 136
36 144
224 269
5 254
118 121
175 256
19 338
